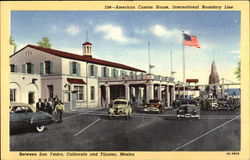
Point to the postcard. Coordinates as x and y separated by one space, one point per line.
125 80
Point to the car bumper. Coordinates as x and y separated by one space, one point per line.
188 116
151 109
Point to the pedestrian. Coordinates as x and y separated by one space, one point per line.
52 107
46 106
55 99
59 111
39 105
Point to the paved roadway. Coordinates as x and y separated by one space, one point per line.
91 130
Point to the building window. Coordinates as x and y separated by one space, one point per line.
131 75
105 72
92 93
13 68
74 68
92 70
12 95
122 73
29 68
114 73
47 67
79 95
50 91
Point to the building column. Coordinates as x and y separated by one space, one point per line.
137 92
99 96
172 95
107 88
127 92
167 95
150 92
159 94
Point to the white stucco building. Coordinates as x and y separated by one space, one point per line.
78 80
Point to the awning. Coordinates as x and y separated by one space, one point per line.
75 81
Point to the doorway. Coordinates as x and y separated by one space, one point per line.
31 97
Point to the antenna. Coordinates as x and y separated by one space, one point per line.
87 35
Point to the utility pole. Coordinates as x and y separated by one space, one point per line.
183 54
149 65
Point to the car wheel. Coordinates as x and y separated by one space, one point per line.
40 128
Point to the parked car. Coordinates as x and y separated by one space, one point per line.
188 111
120 107
154 105
24 116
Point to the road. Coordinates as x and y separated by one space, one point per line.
91 130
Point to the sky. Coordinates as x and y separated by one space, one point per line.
123 36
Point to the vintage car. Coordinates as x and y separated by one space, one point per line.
225 104
120 107
24 116
154 105
188 111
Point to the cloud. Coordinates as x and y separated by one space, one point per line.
73 30
165 33
115 33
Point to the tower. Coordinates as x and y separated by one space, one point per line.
86 49
213 77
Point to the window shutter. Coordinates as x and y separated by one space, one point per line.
102 74
112 73
52 68
108 72
116 73
89 70
15 68
23 68
78 69
70 68
42 68
96 71
32 68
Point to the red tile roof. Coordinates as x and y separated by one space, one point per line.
87 43
75 81
81 58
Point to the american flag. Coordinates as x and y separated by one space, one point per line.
190 40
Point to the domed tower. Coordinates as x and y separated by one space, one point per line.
86 49
213 77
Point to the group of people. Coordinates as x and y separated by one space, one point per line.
52 106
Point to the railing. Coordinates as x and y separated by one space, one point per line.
138 77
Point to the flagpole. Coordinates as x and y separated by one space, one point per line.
149 67
183 54
171 72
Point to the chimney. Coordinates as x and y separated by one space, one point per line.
86 49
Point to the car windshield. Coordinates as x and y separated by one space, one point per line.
191 108
21 109
120 102
154 101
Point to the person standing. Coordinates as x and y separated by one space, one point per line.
59 111
46 105
39 105
52 107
